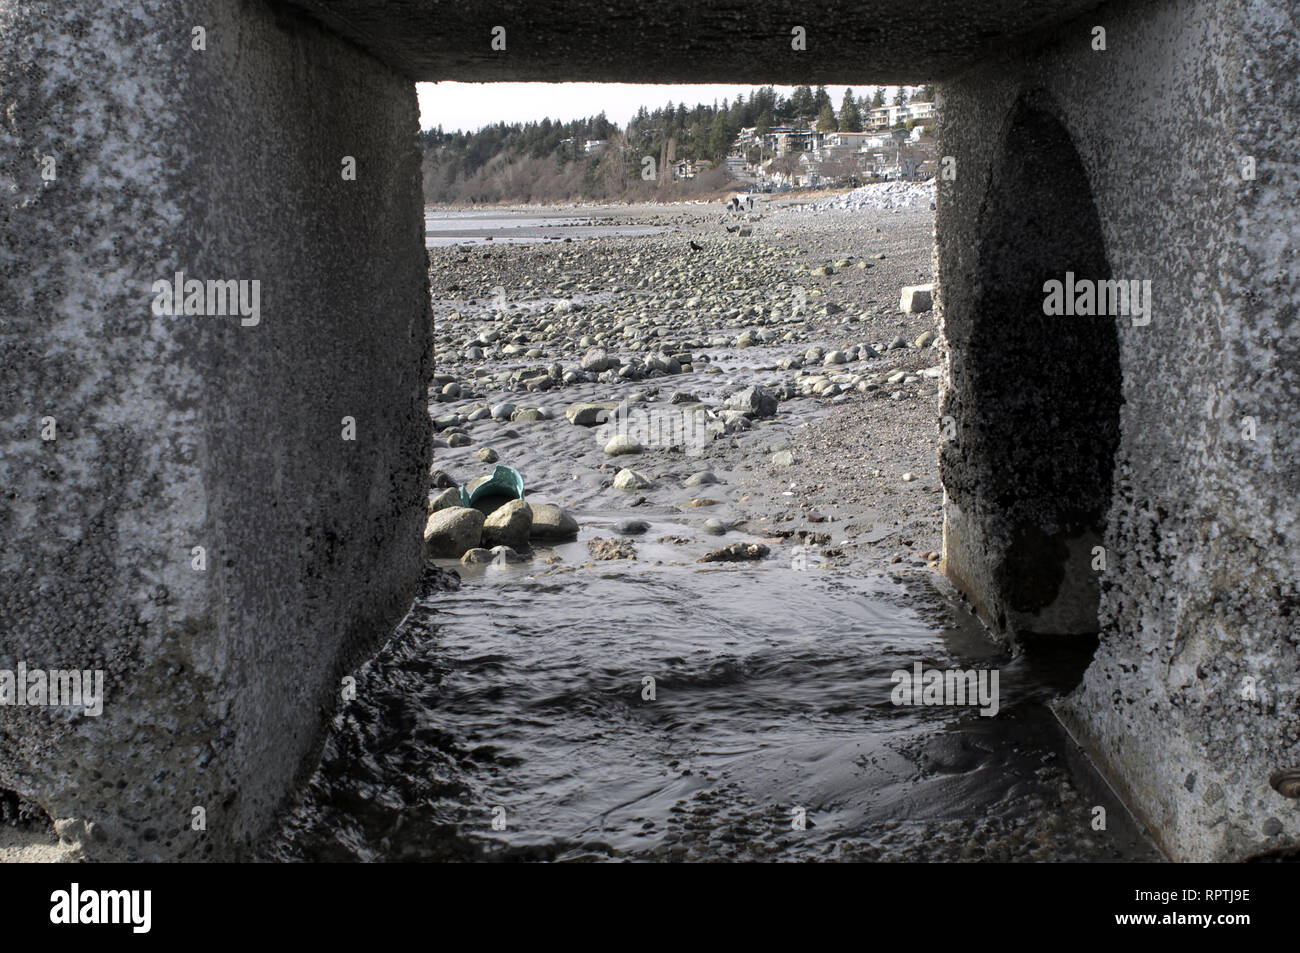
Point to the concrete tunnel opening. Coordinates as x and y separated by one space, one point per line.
1036 397
1074 438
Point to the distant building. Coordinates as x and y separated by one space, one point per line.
886 117
856 141
920 111
595 147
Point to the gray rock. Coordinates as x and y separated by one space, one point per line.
664 363
587 414
632 527
447 498
451 531
551 522
916 298
783 458
753 401
510 525
702 478
631 480
715 527
503 411
597 360
621 444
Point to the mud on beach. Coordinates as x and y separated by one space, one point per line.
804 306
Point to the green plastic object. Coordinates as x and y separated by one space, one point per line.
504 481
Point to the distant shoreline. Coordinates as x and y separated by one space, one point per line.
795 196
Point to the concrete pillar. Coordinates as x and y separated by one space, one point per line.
206 137
1191 703
1027 472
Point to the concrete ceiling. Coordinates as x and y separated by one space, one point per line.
687 41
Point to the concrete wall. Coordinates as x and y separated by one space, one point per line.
1200 592
685 41
175 432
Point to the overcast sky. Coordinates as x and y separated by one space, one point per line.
471 106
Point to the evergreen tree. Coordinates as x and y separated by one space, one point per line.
926 95
826 119
720 137
801 103
821 99
900 98
850 118
878 99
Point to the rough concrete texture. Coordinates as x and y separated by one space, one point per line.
1191 701
192 431
176 432
684 41
1035 396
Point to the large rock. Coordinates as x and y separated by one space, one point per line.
597 360
917 298
447 498
588 414
452 531
754 401
621 444
630 480
508 525
662 362
551 522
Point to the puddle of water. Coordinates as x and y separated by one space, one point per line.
522 697
442 229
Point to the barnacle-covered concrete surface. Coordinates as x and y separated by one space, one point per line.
683 41
1171 444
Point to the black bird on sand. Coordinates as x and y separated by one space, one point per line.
695 247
